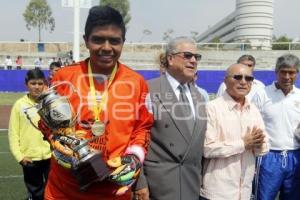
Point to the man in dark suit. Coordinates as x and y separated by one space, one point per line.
172 168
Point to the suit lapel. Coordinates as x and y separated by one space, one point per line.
200 117
168 99
199 106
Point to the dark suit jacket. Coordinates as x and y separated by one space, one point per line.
172 167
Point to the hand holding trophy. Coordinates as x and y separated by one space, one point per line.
70 149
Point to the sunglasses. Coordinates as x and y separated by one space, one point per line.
188 55
239 77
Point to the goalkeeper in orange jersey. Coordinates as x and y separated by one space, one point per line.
112 105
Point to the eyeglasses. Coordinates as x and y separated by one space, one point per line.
239 77
188 55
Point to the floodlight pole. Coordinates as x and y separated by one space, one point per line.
76 36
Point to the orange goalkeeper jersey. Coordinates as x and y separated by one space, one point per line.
128 121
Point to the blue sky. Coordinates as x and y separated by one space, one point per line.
183 16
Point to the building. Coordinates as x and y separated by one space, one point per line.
251 22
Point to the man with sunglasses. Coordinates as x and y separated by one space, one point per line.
249 61
235 134
172 166
279 104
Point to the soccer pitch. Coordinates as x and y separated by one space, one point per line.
11 176
7 98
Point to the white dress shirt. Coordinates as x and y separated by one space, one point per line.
174 84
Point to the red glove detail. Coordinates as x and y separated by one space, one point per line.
46 131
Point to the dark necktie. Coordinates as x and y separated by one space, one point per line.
186 108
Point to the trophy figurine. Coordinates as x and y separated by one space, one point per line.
69 148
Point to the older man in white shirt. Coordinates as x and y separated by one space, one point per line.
279 104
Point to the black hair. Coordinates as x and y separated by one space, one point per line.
246 57
34 74
101 16
54 64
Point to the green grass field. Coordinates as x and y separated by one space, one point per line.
9 98
11 175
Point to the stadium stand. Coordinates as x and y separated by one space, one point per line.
143 58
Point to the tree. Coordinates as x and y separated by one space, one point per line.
194 35
168 35
123 6
145 33
296 45
38 15
216 40
283 39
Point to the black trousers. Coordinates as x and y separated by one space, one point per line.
35 178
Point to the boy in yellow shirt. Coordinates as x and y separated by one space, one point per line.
26 142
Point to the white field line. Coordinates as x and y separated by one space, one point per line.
11 176
2 131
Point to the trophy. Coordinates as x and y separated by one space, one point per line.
57 114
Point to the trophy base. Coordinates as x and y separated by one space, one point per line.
90 169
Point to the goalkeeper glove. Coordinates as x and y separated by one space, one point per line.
127 169
64 160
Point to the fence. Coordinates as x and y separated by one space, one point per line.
142 56
13 80
29 48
